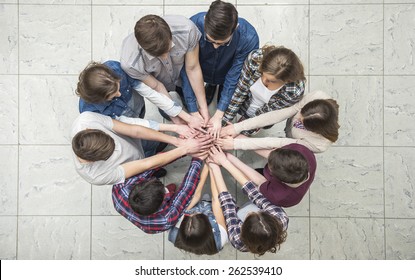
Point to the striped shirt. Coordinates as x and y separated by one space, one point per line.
234 224
172 207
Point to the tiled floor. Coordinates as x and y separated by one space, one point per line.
362 204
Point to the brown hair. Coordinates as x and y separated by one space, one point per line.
282 63
221 20
96 83
288 165
261 232
321 116
93 145
146 197
153 34
195 235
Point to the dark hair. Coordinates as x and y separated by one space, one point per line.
261 232
96 83
195 235
146 197
321 116
153 34
93 145
289 166
282 63
221 20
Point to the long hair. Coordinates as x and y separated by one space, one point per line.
282 63
195 235
262 233
321 116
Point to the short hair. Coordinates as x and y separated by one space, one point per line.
221 20
287 165
96 83
262 233
146 197
195 235
93 145
153 34
321 116
282 63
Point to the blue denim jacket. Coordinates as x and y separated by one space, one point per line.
118 105
221 66
203 207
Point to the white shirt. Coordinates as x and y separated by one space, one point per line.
110 171
260 96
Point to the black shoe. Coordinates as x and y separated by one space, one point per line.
260 170
160 173
210 92
161 147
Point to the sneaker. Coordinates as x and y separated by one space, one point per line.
160 173
210 92
171 188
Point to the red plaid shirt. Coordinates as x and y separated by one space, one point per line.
172 207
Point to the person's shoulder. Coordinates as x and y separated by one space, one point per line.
199 18
246 27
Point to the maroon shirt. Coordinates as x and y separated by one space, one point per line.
277 192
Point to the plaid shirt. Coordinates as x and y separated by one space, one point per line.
287 96
172 207
234 225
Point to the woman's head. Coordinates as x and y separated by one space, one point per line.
262 233
321 116
196 236
97 83
282 64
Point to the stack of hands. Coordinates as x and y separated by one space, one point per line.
205 140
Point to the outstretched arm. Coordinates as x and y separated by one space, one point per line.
251 173
216 208
199 188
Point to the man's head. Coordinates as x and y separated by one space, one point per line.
221 21
93 145
147 197
153 34
98 83
261 232
287 165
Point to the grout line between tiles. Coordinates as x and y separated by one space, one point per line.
18 129
383 136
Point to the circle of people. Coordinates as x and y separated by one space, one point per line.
179 64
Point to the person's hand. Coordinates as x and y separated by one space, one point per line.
197 122
228 131
186 131
201 155
196 145
215 125
216 155
225 143
204 113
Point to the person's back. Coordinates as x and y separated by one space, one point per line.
290 172
109 171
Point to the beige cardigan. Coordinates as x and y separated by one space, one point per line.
311 140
